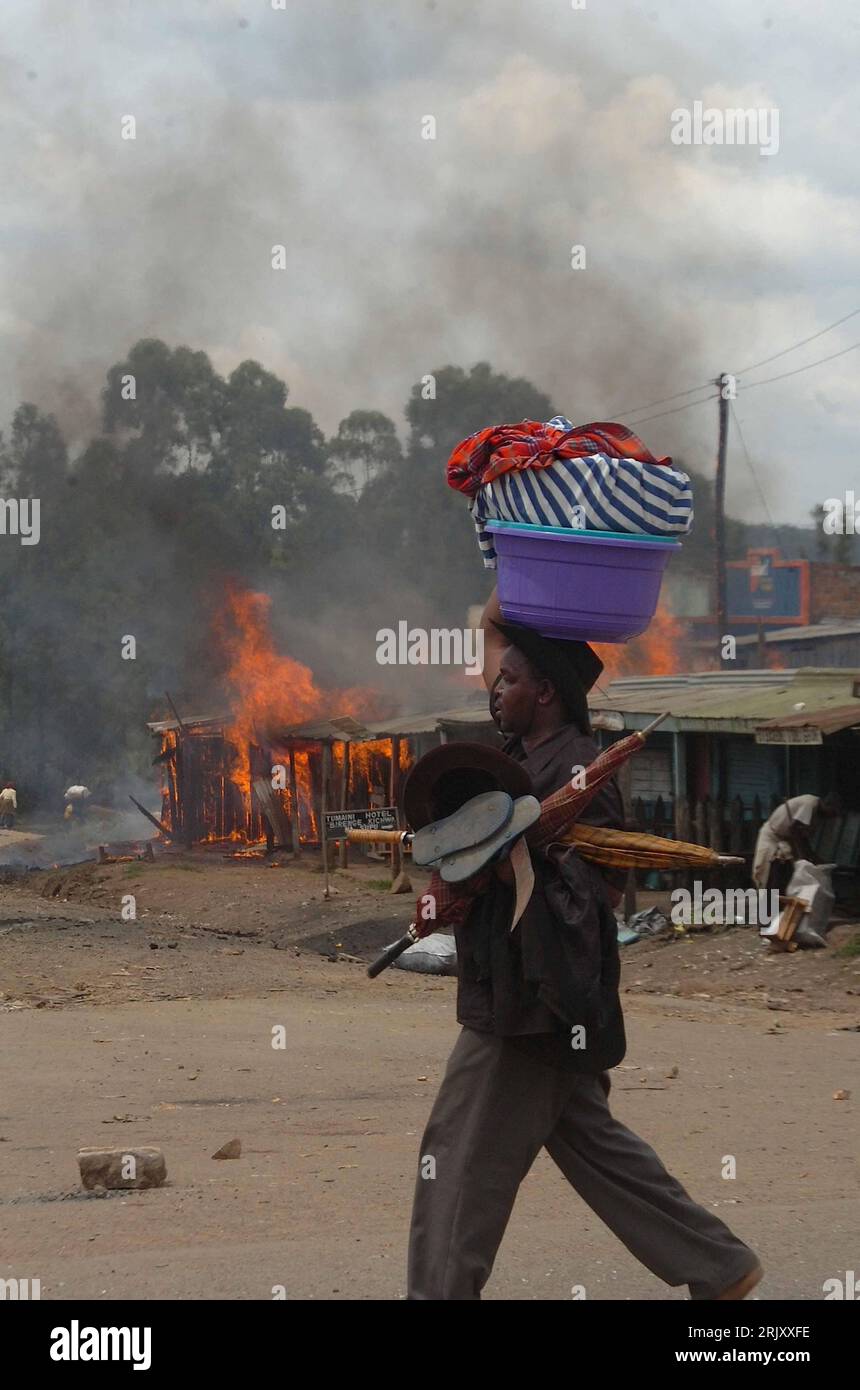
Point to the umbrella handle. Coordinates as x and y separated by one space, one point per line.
391 953
379 837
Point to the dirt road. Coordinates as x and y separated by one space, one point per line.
160 1031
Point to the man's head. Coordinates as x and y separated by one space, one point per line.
543 683
527 702
830 805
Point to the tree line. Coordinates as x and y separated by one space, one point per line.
141 528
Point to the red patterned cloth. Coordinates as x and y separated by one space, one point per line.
451 902
499 449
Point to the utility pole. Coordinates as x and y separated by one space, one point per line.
726 383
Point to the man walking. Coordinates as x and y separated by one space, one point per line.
541 1024
8 806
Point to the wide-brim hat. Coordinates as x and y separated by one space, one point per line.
450 775
571 666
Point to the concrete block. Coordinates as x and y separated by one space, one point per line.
117 1168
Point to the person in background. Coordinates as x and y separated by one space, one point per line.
8 806
76 799
786 836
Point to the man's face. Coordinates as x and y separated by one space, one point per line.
516 694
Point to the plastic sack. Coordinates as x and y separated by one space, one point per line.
435 954
816 921
650 922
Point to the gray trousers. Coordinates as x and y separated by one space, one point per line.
496 1109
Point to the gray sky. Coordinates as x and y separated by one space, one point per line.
302 126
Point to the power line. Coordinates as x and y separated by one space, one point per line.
713 397
802 343
755 478
633 409
775 527
798 370
678 395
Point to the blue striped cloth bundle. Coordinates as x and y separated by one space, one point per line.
595 493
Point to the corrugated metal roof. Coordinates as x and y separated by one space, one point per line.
726 701
706 701
196 721
429 721
829 721
341 728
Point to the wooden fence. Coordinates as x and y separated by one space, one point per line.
728 827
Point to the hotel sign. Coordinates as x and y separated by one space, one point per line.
806 734
376 818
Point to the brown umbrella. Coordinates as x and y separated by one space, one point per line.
626 849
564 807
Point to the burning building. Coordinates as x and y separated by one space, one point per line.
287 750
274 787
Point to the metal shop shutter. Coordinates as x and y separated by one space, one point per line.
651 774
754 770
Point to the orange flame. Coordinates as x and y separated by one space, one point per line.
660 651
270 691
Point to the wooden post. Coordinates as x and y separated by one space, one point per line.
324 791
720 517
715 832
736 822
679 777
683 832
190 790
186 782
172 796
700 822
277 826
294 804
392 797
400 882
343 858
736 836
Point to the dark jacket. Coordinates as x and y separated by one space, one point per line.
559 968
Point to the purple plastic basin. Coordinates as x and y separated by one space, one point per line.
582 584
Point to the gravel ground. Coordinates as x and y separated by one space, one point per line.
104 1039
